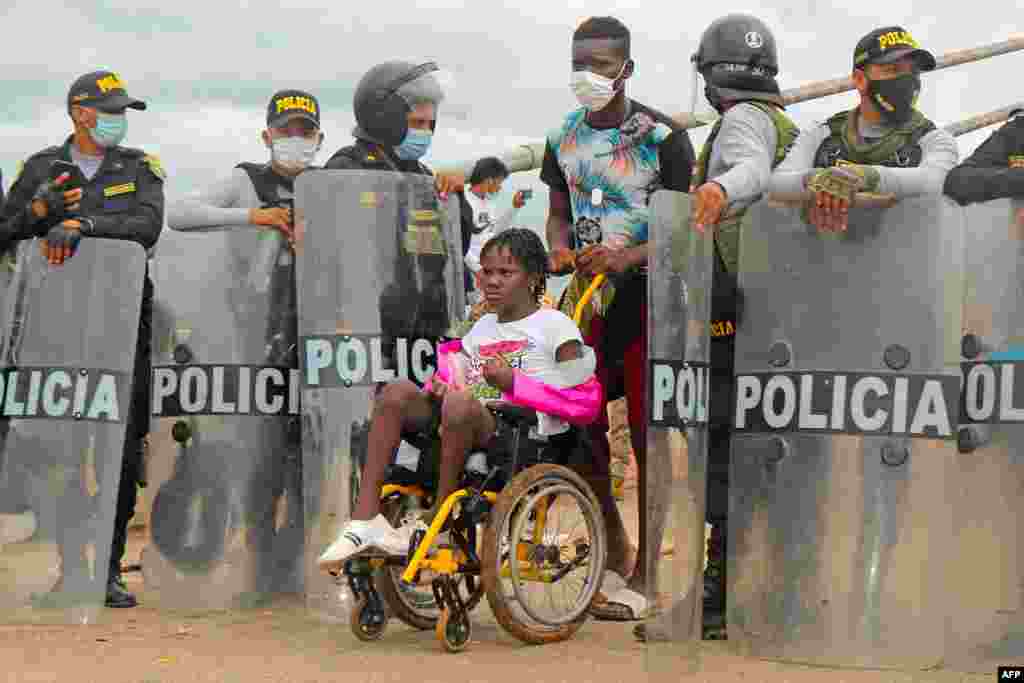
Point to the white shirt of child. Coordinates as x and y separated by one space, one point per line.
528 345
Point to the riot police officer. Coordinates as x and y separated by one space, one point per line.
995 170
396 105
253 193
737 60
885 145
120 197
261 195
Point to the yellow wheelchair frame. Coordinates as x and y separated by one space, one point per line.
453 628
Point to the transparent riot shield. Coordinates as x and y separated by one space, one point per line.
844 458
225 463
985 595
379 283
67 338
679 310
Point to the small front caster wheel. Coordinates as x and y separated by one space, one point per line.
368 624
453 631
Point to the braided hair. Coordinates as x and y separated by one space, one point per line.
526 248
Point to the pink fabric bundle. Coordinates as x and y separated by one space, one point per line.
579 405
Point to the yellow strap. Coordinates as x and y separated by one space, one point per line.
578 314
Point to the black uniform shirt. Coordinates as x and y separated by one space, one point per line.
994 171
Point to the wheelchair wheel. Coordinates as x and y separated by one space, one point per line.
540 583
415 605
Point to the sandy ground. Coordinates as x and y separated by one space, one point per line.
287 643
284 641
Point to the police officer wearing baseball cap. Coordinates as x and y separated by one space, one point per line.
122 197
257 194
885 145
260 195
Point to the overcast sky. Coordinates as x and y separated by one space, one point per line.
207 69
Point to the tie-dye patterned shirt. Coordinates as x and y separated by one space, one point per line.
627 164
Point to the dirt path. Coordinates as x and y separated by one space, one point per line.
286 643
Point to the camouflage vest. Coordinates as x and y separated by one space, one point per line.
727 236
899 148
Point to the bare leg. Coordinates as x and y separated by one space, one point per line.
400 405
655 471
621 555
465 424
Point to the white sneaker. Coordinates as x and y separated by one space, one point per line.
358 536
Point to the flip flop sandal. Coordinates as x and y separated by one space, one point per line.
622 605
611 583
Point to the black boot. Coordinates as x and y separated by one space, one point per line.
714 585
118 594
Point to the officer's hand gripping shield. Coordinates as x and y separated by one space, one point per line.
845 478
67 338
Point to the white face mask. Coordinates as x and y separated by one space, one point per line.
592 90
294 153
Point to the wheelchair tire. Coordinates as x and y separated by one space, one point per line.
512 617
425 616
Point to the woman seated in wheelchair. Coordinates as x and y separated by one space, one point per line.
520 353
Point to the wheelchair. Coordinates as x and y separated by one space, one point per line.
502 542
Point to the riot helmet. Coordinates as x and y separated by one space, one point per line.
388 92
737 60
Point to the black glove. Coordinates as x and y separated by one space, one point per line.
62 236
51 195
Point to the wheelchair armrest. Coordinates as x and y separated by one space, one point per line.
517 415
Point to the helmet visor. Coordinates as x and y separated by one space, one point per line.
700 109
426 84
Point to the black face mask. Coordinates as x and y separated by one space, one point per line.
895 97
711 92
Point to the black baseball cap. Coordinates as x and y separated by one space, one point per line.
289 104
102 90
889 44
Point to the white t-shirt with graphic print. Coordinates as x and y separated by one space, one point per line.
528 345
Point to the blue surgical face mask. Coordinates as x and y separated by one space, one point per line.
110 129
415 144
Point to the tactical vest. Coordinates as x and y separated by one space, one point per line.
899 148
266 182
726 300
727 239
786 134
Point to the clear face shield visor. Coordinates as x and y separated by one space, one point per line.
427 84
700 108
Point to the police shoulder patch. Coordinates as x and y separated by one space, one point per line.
153 162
